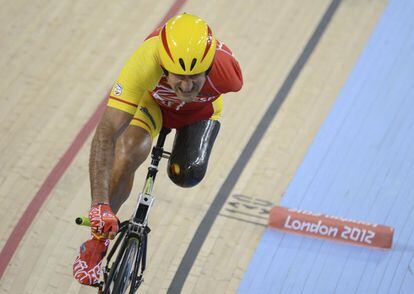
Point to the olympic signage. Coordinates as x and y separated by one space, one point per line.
330 227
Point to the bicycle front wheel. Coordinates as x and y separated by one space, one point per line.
126 276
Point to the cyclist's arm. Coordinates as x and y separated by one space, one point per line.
140 73
112 123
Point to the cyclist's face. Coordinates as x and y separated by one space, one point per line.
186 87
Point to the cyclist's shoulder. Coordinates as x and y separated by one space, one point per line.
226 74
146 52
145 57
142 69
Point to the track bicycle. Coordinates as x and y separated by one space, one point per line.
126 273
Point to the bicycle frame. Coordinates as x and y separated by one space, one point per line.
137 225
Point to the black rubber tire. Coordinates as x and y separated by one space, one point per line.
114 268
126 269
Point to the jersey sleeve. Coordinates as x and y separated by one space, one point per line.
226 74
140 73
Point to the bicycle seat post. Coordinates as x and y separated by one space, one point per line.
157 153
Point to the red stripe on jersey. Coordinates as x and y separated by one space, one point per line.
140 120
154 33
123 101
209 38
165 43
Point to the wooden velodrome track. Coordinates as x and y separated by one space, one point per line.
59 59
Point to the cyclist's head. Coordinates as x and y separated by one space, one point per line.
186 45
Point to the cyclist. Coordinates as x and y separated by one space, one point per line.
175 79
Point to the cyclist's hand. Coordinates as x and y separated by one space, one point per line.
104 223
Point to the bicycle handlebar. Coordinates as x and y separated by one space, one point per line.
83 221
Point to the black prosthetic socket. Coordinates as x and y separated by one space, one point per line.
191 150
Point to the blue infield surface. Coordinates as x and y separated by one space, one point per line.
360 166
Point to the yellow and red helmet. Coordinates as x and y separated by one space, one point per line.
186 45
